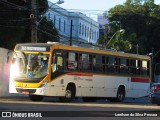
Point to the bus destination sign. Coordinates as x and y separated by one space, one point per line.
33 48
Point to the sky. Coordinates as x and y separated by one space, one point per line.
91 7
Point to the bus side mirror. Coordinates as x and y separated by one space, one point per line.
7 60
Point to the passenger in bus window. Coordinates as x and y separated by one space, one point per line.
80 62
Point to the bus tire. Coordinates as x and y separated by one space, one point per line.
120 94
36 97
69 94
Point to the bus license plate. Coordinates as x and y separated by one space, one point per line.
25 92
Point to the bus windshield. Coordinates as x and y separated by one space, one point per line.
27 65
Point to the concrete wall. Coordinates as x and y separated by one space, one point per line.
4 72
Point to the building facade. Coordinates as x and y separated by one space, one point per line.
103 22
73 25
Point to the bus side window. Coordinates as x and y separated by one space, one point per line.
72 63
117 65
103 63
85 62
139 68
148 68
111 64
144 67
53 63
123 66
132 67
99 67
94 62
57 62
79 62
106 64
90 62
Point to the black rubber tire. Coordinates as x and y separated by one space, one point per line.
69 94
36 97
120 95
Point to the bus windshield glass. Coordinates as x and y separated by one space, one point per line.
27 65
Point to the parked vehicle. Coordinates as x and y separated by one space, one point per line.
155 87
155 93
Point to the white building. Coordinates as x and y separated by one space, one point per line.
84 28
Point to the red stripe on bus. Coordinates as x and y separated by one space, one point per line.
79 74
142 80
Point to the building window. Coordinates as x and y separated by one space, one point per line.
85 31
59 24
80 27
64 26
88 32
94 35
91 33
54 21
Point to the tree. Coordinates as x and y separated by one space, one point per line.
119 43
141 21
15 23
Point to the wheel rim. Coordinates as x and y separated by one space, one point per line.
120 96
68 94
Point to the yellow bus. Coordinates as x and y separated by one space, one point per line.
68 72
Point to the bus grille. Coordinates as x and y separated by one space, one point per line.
26 90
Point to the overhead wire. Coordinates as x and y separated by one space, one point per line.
13 5
25 8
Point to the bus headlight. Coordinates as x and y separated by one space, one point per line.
14 71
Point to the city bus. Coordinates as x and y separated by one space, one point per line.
67 72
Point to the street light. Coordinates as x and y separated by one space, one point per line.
60 2
119 31
35 22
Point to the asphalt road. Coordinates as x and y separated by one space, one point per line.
51 108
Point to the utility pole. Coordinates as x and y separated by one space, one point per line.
33 17
105 35
71 33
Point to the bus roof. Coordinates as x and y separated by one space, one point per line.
43 47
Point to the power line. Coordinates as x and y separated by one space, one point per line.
13 5
48 33
13 26
16 20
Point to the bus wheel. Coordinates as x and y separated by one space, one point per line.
69 94
36 97
120 94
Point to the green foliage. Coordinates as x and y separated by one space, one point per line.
15 23
101 40
141 21
119 43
